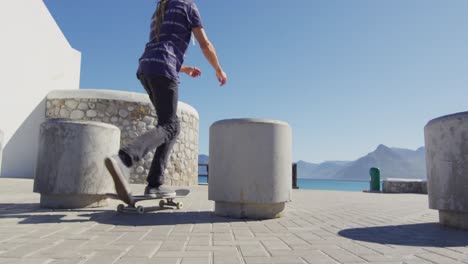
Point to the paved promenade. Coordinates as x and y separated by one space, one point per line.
318 227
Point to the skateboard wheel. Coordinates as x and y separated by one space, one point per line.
162 203
120 208
140 210
179 205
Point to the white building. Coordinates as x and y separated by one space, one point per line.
36 58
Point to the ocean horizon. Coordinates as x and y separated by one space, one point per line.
326 185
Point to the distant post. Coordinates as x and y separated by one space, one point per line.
294 176
375 179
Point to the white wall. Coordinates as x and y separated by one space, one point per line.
35 58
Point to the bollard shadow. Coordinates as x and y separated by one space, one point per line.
421 235
34 214
19 153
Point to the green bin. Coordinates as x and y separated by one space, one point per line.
375 180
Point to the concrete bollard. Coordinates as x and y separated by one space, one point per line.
70 171
250 167
401 185
1 149
447 167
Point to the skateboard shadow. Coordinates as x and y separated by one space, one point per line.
160 218
420 235
32 213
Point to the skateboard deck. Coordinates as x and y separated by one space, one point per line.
164 201
123 193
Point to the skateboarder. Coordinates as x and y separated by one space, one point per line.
172 26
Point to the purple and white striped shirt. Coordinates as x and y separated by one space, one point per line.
165 58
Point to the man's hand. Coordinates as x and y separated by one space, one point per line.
221 76
191 71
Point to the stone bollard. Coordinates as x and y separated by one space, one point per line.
250 167
447 167
1 149
70 171
400 185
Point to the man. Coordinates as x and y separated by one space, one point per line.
172 26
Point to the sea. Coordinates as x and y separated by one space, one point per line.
330 185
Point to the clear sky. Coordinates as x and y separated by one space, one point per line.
346 75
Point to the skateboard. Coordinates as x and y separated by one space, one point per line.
123 193
131 207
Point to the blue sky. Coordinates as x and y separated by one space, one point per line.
347 75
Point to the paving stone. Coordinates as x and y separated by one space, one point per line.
93 249
144 250
172 246
179 254
439 259
199 241
343 256
24 260
135 260
222 237
254 251
26 250
232 256
129 238
66 261
64 249
221 228
105 256
450 253
275 244
163 260
273 260
347 228
319 260
196 260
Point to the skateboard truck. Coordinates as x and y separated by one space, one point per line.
170 201
164 202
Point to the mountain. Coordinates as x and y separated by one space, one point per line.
203 159
324 170
392 162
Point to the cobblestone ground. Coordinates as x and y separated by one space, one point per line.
318 227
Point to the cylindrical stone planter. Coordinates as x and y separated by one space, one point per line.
70 171
134 115
250 167
447 167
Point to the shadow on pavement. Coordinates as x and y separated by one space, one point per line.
34 214
422 235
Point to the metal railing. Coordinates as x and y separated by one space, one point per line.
294 174
203 165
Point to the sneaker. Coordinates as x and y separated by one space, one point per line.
160 191
120 173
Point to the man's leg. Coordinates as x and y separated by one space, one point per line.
167 117
164 96
163 93
159 163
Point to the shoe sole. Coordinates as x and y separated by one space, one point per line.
159 196
150 195
119 181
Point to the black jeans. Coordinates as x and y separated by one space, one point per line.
164 94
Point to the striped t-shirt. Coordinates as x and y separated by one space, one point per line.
164 58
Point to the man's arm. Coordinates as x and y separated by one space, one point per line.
210 54
190 71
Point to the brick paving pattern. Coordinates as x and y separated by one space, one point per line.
318 227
